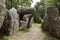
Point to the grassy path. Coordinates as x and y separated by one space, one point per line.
35 33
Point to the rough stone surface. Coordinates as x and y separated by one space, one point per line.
14 20
27 11
6 24
2 11
24 21
51 23
11 22
2 16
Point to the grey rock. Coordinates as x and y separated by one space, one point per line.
26 11
14 20
51 24
11 22
24 22
2 11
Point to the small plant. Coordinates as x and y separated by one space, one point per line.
6 38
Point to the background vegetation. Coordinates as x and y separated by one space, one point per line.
40 6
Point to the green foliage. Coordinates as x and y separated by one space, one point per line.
53 3
40 11
37 18
12 3
6 38
41 8
18 3
50 2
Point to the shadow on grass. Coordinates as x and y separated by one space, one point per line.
49 38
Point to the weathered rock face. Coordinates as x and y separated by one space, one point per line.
24 22
6 24
14 20
30 22
51 23
11 22
28 13
45 23
2 11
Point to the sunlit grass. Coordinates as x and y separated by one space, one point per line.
21 32
36 25
6 38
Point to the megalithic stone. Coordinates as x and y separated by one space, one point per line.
14 20
26 11
53 19
2 11
24 21
5 29
11 22
51 23
30 22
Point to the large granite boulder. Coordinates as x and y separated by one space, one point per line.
11 22
51 23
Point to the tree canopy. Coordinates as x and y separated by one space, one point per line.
18 3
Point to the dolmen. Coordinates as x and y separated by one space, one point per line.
12 20
26 18
51 23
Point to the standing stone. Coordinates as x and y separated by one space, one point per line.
51 23
14 20
53 19
24 22
6 24
30 22
11 22
2 11
2 16
45 24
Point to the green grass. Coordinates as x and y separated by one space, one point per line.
6 38
23 31
36 25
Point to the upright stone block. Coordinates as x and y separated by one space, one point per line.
51 23
14 20
24 22
11 22
2 11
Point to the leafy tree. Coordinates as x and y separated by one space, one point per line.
53 3
18 3
50 2
40 11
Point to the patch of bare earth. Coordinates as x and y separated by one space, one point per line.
33 34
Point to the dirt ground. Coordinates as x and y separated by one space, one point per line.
33 34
